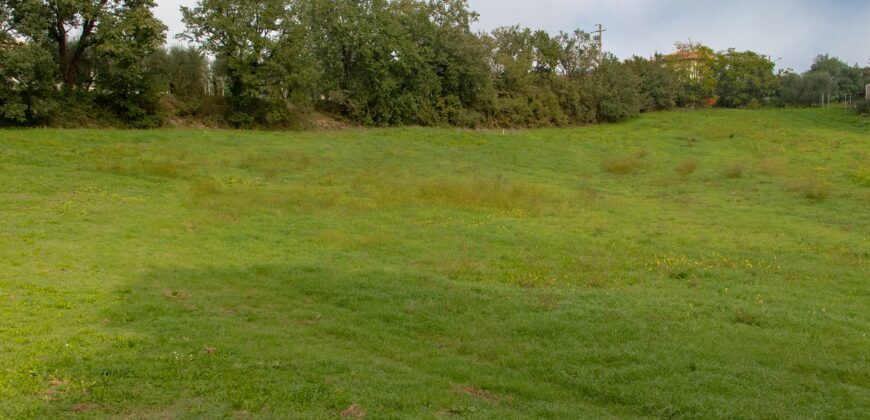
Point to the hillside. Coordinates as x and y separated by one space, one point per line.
709 264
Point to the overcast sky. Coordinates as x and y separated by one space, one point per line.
793 30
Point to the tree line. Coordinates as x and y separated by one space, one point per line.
270 63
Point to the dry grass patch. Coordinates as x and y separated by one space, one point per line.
497 194
772 167
163 168
812 188
621 166
624 166
687 167
281 161
127 160
234 201
736 170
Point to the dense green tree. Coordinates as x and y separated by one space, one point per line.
660 87
524 76
400 62
578 54
182 74
127 36
259 44
617 91
27 77
848 78
806 89
743 78
5 29
461 63
96 45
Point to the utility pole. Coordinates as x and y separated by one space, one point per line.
599 32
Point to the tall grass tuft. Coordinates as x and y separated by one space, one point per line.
812 188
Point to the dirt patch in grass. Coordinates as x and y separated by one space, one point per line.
354 411
82 407
479 393
55 389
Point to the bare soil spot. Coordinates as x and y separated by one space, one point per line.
354 411
55 389
78 408
479 393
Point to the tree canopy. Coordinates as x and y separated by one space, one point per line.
373 62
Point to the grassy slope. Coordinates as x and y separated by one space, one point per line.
424 272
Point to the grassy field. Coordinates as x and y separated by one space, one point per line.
710 264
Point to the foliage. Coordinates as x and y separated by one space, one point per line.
376 63
743 78
617 93
805 89
182 73
257 43
848 78
694 64
96 46
126 37
27 91
660 87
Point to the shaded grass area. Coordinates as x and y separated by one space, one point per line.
609 271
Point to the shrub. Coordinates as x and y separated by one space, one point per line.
687 168
863 107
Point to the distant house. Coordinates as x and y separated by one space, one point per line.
688 61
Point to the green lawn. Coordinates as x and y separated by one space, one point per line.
709 264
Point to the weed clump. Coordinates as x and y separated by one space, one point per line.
813 189
687 168
624 166
734 171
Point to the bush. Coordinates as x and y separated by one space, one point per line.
863 107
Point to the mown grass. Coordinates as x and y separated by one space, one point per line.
405 273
